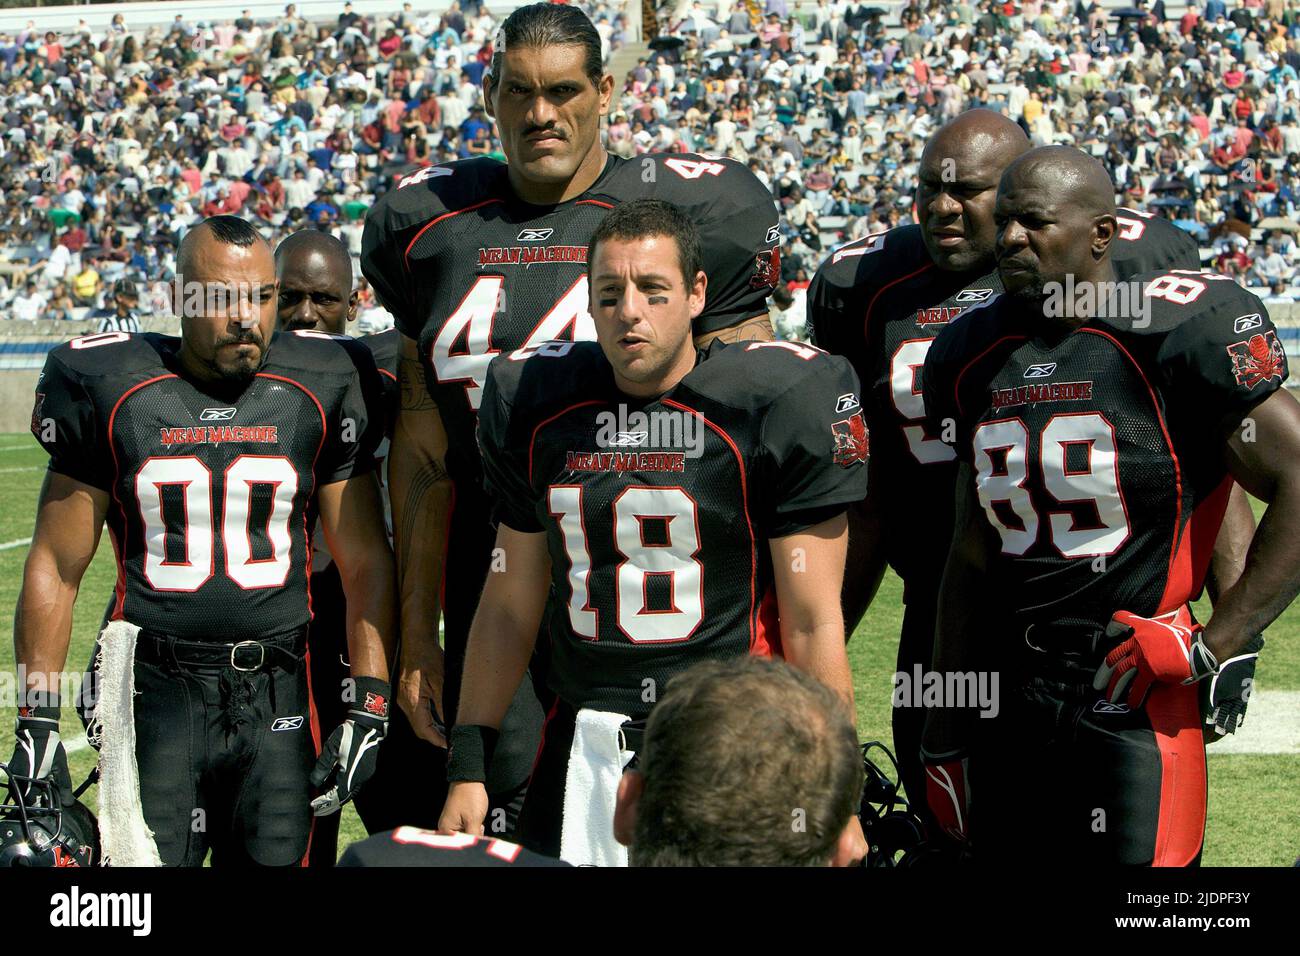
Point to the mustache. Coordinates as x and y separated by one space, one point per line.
553 130
251 337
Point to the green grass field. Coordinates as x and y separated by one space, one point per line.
1253 818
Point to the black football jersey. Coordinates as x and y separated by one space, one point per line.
385 347
469 271
658 512
1147 243
880 301
210 488
1099 456
413 846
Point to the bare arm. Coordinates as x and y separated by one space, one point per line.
69 519
1230 547
865 566
809 568
755 329
504 631
501 641
352 517
959 598
421 493
1271 579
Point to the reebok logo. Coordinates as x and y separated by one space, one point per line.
845 402
1244 323
286 723
973 295
534 235
1106 707
1040 371
217 414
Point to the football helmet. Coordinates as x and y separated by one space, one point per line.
38 829
895 833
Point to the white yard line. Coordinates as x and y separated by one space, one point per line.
15 447
10 471
1272 726
21 542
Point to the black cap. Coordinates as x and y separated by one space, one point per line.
125 287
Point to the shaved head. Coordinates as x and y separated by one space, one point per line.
1056 219
958 179
315 273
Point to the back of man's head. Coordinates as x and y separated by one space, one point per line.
746 763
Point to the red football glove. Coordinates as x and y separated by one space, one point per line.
1162 650
947 793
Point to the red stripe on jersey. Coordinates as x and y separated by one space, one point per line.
1175 715
117 478
744 494
541 740
313 720
956 382
866 319
384 371
767 639
1176 578
533 441
1191 559
433 222
593 202
324 430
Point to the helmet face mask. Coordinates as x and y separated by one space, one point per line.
38 830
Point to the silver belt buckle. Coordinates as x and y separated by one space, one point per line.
261 656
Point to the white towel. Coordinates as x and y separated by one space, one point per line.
596 763
125 837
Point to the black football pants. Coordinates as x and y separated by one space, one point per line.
1061 776
224 758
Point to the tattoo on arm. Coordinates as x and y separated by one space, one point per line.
757 329
415 392
412 517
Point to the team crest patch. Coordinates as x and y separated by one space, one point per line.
376 704
1258 359
36 413
767 269
851 440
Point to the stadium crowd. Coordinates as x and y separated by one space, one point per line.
116 142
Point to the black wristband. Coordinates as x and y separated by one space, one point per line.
469 752
39 704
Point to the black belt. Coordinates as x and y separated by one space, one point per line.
285 650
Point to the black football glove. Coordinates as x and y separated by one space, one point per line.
1224 698
38 751
349 756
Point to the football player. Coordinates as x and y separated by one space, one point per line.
477 258
880 301
206 454
315 275
730 748
1098 443
669 500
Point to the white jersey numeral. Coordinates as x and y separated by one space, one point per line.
674 561
473 321
194 479
1001 453
910 403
